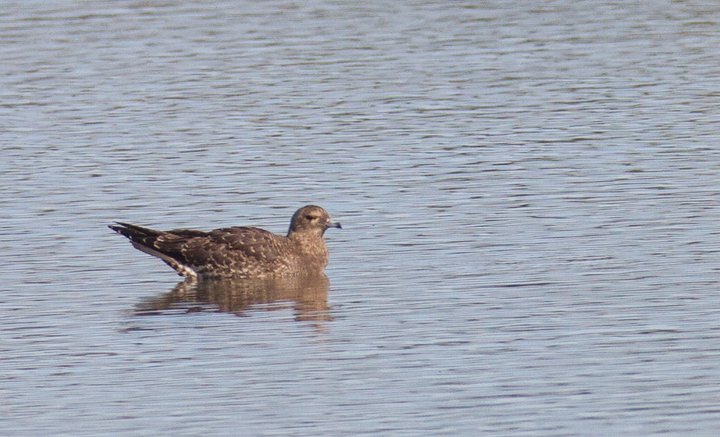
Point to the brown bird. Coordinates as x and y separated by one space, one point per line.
240 251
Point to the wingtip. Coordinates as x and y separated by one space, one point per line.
118 226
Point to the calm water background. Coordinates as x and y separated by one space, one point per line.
529 192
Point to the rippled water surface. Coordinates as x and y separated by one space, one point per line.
529 193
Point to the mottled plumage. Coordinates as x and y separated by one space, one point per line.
242 252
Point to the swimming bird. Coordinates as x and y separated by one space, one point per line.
240 251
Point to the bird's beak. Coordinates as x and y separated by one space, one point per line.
333 224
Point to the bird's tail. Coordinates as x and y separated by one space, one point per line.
145 239
135 233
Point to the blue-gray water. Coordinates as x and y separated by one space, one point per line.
529 190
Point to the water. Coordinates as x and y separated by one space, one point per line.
529 195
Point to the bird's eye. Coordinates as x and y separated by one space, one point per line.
309 218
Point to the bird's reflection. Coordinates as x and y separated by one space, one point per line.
306 295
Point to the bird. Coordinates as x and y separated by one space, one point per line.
239 251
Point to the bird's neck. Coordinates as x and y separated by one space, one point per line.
310 244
